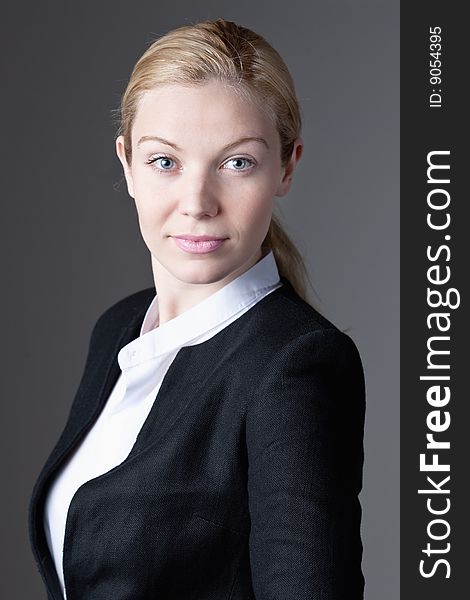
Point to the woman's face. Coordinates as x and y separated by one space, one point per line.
205 162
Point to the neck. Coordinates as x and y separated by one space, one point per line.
176 296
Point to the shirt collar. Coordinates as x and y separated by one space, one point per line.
211 312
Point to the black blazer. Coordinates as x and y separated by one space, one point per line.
243 482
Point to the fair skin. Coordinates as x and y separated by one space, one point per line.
201 188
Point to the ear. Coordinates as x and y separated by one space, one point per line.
127 170
288 171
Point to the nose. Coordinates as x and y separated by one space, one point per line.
198 197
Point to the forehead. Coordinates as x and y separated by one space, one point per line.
209 111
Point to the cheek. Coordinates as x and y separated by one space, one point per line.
254 213
145 186
150 217
149 203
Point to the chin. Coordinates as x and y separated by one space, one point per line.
192 271
203 276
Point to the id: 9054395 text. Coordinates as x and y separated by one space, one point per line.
435 64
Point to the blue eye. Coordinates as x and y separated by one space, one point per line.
239 160
163 165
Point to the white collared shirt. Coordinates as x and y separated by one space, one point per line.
144 362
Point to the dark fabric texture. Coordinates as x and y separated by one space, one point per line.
243 482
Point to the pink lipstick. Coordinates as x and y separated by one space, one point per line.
198 244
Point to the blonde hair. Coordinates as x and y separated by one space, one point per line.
236 56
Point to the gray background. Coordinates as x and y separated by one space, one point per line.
71 244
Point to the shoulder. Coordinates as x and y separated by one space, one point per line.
305 411
288 328
124 312
296 310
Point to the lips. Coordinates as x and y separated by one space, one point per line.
199 244
198 238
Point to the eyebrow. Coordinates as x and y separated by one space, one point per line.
156 138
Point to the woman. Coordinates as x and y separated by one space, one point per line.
214 447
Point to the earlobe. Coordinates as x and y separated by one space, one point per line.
288 171
284 185
120 151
